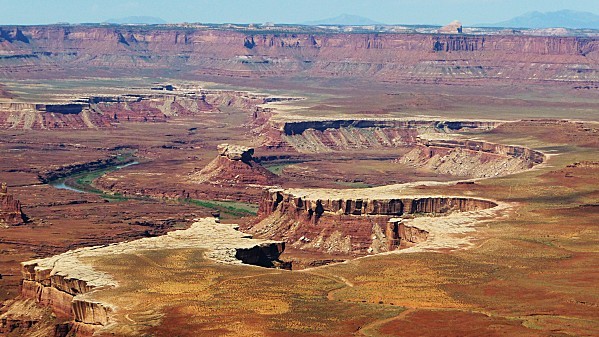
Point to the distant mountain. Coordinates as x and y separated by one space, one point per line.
559 19
132 20
344 20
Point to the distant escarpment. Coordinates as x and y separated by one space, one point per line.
39 51
10 208
351 225
109 111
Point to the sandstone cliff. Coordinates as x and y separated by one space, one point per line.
351 225
25 52
432 144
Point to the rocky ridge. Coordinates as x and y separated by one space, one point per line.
435 145
322 136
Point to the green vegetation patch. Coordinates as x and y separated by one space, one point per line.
232 208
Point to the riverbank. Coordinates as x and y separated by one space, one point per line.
82 181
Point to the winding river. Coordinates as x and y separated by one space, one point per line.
71 183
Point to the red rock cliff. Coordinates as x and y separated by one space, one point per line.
351 225
25 51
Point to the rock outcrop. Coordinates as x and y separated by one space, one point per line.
453 28
66 283
10 208
351 225
234 165
236 152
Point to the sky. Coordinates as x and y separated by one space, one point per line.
26 12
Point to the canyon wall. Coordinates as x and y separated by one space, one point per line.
312 210
16 115
431 145
35 51
351 225
59 172
321 136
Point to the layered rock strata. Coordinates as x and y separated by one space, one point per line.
351 225
321 136
66 282
108 111
313 209
471 158
10 208
431 144
27 51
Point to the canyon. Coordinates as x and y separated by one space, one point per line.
243 180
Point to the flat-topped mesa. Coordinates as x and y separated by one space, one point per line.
234 165
438 145
351 225
66 283
10 208
298 127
